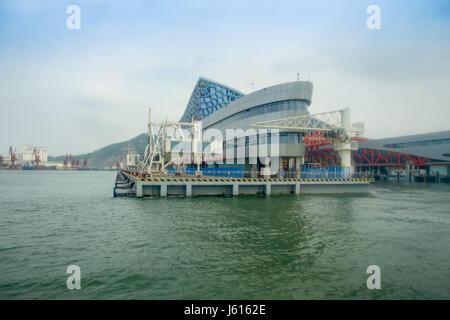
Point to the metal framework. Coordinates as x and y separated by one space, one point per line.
207 97
119 162
37 158
382 158
12 156
326 121
70 162
330 129
323 157
316 139
326 128
159 153
85 161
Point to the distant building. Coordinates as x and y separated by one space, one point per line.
27 154
132 159
6 159
429 151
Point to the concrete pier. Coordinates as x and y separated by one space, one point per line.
134 185
188 190
268 189
125 187
163 192
235 189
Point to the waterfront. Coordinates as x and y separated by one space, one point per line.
246 247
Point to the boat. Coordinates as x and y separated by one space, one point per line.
29 167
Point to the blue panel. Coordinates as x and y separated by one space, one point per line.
206 98
325 173
233 172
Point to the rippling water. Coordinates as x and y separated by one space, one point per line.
255 247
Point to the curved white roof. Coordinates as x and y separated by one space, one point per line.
297 90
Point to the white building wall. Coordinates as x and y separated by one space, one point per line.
27 153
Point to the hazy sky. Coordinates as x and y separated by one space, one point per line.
77 90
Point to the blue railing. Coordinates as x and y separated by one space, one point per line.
234 172
325 173
305 172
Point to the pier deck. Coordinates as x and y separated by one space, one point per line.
129 185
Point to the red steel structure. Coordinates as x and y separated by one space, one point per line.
119 162
74 163
70 162
37 158
85 161
382 158
66 161
316 139
316 153
13 156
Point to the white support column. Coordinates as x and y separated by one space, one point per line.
345 148
297 188
297 167
163 190
254 172
189 190
138 189
235 189
268 189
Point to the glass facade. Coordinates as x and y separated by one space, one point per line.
258 111
208 97
283 138
418 143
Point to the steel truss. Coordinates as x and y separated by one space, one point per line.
374 157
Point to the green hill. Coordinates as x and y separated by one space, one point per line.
109 155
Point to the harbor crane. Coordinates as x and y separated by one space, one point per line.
70 162
119 162
66 161
85 161
131 157
73 163
336 126
12 156
36 157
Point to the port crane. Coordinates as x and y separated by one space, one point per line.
66 161
74 163
36 157
70 162
131 157
85 161
119 162
12 156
